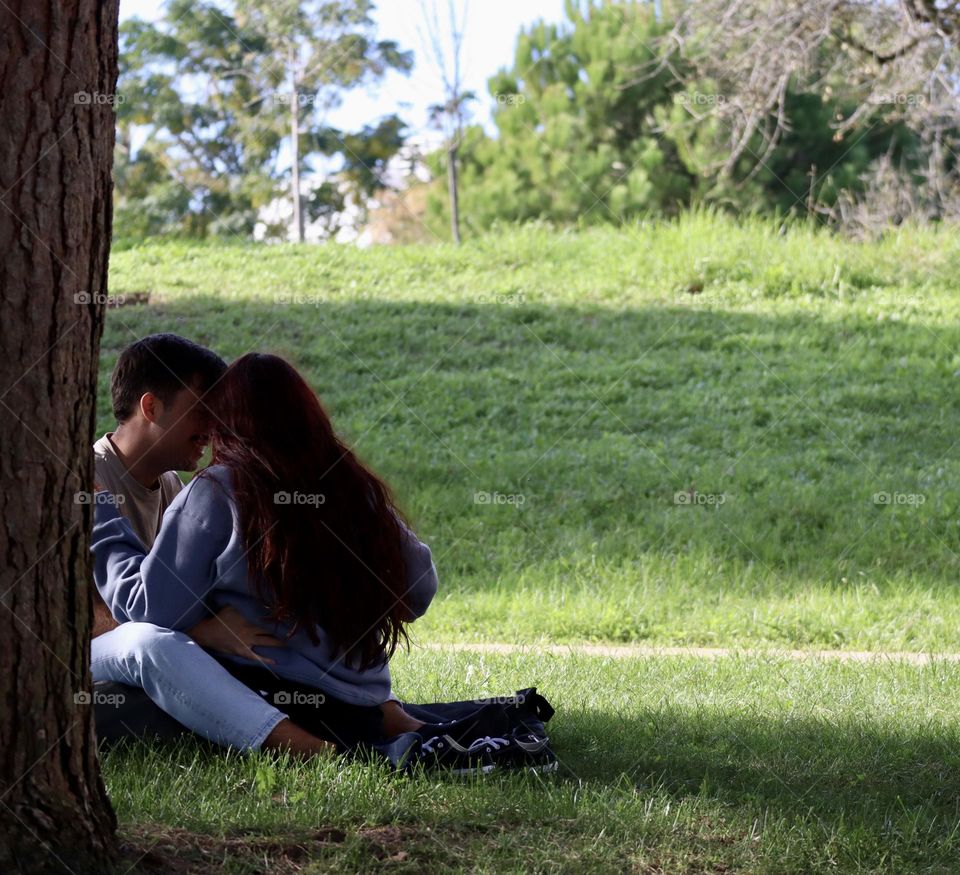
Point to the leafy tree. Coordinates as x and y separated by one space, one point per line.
575 136
600 120
805 171
880 77
226 95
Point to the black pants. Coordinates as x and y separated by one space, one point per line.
319 713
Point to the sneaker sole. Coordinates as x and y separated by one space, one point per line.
473 770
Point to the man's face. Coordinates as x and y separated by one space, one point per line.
183 431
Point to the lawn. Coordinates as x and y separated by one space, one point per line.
700 432
671 765
538 400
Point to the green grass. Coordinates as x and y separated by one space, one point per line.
580 374
692 766
785 378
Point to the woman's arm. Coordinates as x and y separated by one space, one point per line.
421 574
167 584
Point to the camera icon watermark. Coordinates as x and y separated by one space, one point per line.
111 700
692 498
911 499
699 98
96 98
298 697
511 299
288 299
897 98
286 98
310 498
103 497
518 698
516 499
84 298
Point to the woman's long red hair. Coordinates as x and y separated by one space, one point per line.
330 556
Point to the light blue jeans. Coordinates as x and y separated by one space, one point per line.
186 682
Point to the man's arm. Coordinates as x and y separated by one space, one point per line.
225 632
168 584
102 618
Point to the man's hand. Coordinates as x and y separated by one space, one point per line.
231 633
102 618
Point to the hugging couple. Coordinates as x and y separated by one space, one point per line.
259 605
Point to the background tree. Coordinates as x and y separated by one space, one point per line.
603 119
444 36
880 65
327 48
225 96
575 139
58 79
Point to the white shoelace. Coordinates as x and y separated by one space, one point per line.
427 746
496 742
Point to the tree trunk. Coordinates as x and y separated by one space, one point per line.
452 185
58 72
295 151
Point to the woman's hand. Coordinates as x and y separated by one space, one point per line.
231 633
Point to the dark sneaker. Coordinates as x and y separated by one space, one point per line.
444 752
528 752
486 720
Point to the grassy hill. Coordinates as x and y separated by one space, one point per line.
699 432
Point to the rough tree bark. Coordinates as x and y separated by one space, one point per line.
58 72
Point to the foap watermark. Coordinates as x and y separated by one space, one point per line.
102 497
518 698
517 499
699 98
897 98
298 697
287 98
699 499
95 98
85 298
288 299
510 299
311 498
510 98
111 700
911 499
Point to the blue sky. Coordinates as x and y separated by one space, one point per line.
491 30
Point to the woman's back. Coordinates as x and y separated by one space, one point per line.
199 565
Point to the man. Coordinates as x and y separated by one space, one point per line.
157 388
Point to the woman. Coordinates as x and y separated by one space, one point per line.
289 528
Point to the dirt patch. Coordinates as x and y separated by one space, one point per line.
152 849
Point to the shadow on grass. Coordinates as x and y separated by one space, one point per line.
850 772
880 798
781 431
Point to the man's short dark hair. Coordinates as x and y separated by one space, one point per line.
162 364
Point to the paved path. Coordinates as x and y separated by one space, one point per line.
627 651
